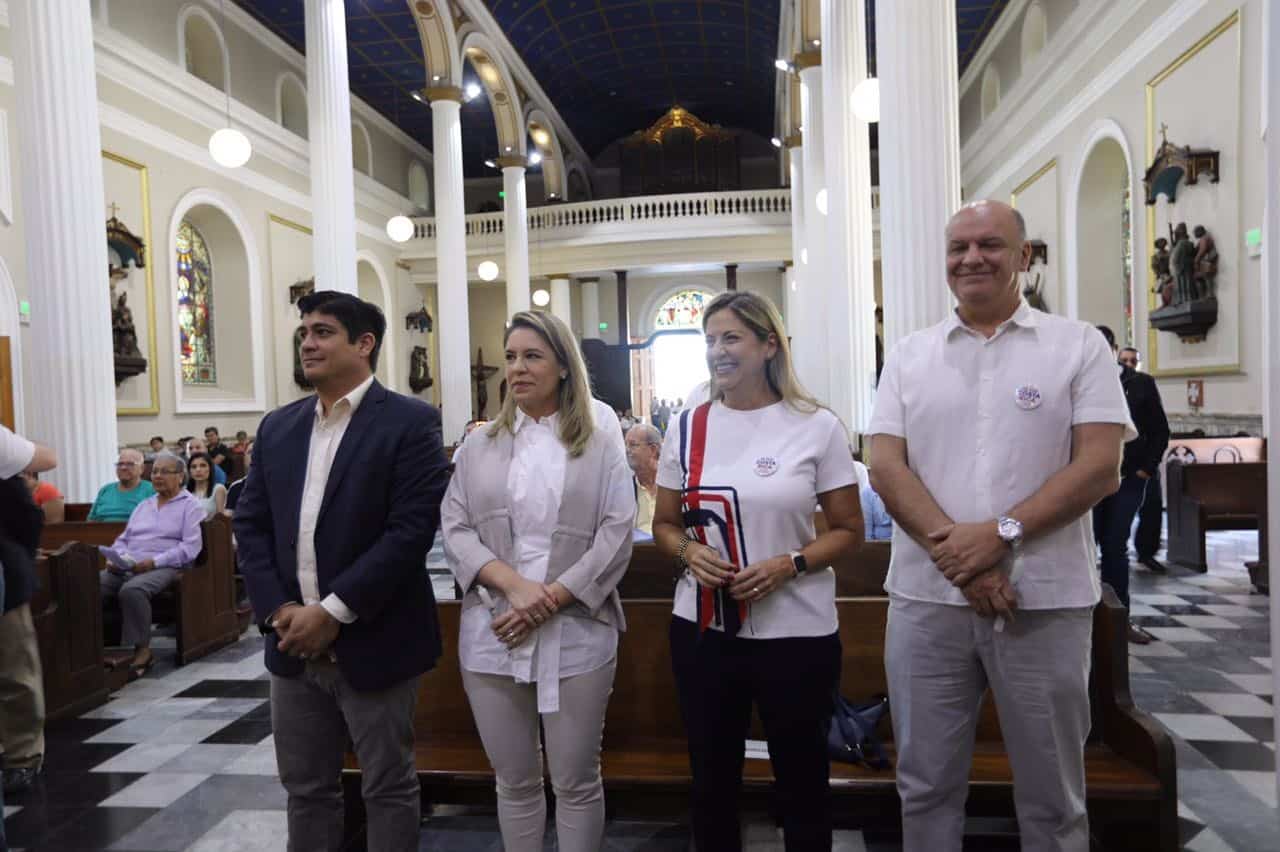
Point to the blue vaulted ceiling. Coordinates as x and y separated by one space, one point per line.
609 66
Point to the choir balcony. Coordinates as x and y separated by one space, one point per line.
752 226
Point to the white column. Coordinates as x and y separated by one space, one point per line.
814 286
71 403
515 230
794 315
333 193
561 305
451 263
1271 280
851 318
919 158
590 307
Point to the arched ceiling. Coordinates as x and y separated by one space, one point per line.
609 66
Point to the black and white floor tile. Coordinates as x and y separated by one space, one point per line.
183 759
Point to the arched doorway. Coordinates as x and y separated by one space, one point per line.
677 357
1104 240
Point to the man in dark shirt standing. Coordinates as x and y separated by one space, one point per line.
1146 538
218 451
1113 516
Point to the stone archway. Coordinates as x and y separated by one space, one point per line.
1100 257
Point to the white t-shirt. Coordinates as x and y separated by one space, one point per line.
758 483
16 453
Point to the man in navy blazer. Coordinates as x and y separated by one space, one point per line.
333 528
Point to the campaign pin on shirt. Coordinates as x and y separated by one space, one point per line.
766 466
1027 397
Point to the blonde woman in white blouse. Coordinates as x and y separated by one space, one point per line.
537 529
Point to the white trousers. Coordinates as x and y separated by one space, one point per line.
940 659
506 713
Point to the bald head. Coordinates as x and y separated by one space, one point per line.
991 208
986 249
129 467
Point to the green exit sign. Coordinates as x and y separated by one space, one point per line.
604 326
502 193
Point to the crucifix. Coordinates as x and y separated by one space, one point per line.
1164 132
114 208
480 373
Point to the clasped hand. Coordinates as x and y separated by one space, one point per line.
531 605
305 631
752 583
965 554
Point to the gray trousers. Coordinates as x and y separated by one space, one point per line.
940 659
507 715
21 691
311 716
135 593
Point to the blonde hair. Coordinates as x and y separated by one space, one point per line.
575 418
763 319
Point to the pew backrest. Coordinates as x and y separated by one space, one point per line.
1220 489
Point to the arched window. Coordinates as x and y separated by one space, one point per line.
292 99
361 149
1035 32
203 52
195 307
990 90
419 188
683 310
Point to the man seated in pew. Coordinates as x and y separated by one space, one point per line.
333 529
755 620
21 678
644 444
161 538
541 617
235 489
47 496
994 433
156 446
875 517
117 500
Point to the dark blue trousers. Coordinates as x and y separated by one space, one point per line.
1112 521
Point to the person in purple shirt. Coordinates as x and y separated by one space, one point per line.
161 538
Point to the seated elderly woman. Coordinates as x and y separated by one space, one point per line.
161 538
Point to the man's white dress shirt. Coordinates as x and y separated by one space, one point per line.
326 437
987 422
16 453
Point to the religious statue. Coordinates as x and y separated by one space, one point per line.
480 373
1033 289
124 336
420 370
1164 278
1206 264
1182 263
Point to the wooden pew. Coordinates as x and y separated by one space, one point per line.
77 511
1202 497
202 603
1130 761
67 612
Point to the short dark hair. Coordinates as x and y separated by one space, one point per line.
1109 335
1132 349
213 429
159 438
356 315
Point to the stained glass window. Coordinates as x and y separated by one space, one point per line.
195 308
683 310
1126 242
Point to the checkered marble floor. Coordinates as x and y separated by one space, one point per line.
183 759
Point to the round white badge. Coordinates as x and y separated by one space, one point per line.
1027 397
766 466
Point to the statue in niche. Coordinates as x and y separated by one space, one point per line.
420 370
480 373
1033 289
124 336
1182 263
1206 264
1164 278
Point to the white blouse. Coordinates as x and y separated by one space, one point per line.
563 646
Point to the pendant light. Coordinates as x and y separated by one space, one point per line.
229 147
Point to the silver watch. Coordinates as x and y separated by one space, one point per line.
1010 531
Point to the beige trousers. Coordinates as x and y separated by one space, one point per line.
21 691
940 659
507 715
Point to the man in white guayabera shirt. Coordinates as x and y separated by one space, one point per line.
994 433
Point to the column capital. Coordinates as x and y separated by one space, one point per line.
589 279
443 93
807 59
557 276
511 162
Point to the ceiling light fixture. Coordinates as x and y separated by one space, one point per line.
866 100
400 228
777 143
417 96
541 298
491 164
229 147
820 201
473 91
535 158
488 271
782 64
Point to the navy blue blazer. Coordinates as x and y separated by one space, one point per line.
378 519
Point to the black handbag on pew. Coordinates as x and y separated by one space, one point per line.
852 736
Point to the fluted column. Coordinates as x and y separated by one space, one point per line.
561 305
919 158
849 308
515 232
451 262
69 350
333 192
799 254
1270 282
590 307
814 285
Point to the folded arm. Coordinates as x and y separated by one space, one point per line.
904 495
185 551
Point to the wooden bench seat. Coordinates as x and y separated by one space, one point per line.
1202 497
1132 794
201 604
67 612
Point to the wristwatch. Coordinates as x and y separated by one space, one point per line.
1010 531
798 562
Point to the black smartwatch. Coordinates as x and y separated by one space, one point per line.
798 562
